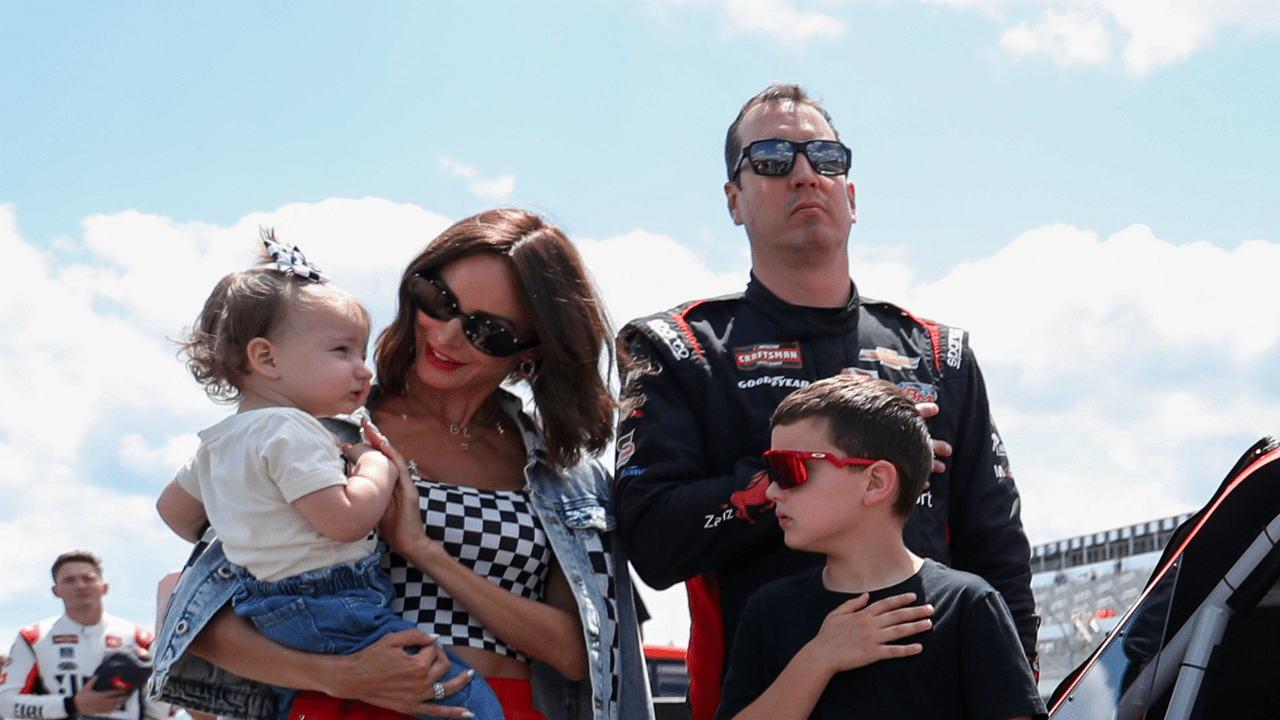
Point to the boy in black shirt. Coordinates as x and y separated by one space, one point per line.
850 456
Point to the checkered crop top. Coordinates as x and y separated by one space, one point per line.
493 532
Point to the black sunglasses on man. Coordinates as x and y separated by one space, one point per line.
775 157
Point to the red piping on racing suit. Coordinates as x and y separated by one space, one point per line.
709 375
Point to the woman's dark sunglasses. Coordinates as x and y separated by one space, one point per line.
776 157
433 297
786 467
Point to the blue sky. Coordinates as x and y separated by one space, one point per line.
1086 185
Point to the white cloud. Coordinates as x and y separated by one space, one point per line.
1092 349
489 189
1126 373
1071 38
139 455
1141 35
783 22
640 273
98 409
1148 34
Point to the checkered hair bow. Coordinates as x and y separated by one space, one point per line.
290 261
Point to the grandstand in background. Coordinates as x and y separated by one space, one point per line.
1083 586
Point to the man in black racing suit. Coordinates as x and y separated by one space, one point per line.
706 376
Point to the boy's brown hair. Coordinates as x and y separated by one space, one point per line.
868 418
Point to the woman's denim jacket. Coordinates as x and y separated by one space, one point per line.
575 507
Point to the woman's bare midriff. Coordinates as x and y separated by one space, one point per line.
491 664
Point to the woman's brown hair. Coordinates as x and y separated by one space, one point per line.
574 403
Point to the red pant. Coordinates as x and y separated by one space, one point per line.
516 697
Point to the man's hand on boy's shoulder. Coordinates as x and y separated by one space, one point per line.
857 634
941 448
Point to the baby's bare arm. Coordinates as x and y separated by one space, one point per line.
182 513
347 513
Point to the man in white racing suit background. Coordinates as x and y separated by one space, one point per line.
49 673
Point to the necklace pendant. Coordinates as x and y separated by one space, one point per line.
464 445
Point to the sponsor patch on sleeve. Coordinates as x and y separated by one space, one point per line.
954 347
671 335
997 445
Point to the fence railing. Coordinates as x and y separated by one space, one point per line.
1106 545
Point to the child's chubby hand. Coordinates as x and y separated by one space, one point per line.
374 437
369 462
401 524
856 634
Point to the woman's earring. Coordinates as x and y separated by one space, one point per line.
527 369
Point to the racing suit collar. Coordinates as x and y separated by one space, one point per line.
804 320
